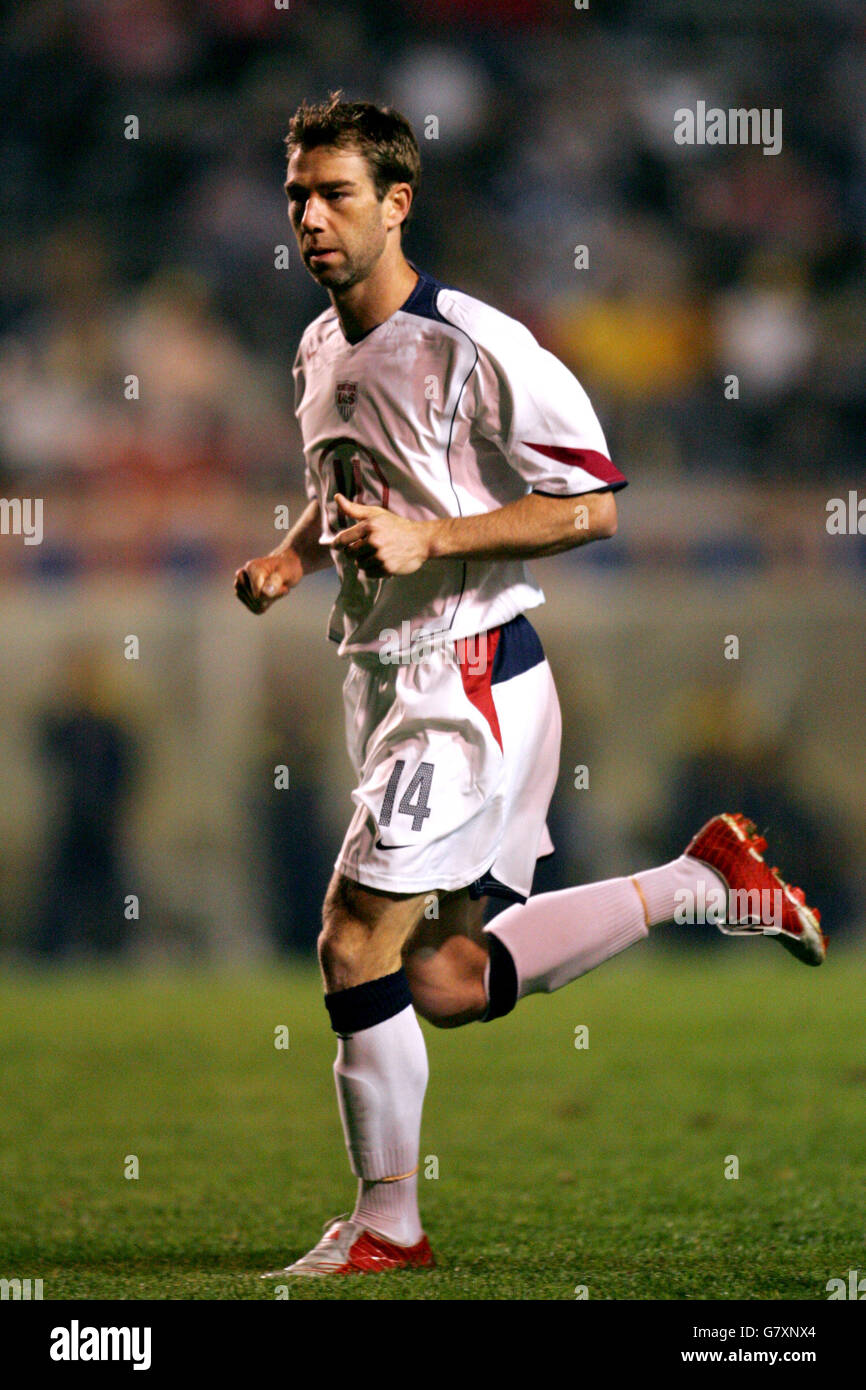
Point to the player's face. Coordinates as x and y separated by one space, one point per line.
340 225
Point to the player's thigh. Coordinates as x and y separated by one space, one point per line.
364 931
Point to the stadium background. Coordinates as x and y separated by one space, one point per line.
156 256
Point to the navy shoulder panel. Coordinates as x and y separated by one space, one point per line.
422 300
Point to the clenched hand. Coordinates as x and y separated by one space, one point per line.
380 542
259 583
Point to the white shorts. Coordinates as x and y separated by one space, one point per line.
457 756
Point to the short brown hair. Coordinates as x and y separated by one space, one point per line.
379 133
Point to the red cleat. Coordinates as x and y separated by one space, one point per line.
347 1248
760 901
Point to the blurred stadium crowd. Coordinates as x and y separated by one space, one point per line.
157 256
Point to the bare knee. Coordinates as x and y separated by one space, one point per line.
345 936
342 951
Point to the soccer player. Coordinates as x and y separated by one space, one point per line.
444 448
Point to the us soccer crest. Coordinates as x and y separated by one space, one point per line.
346 398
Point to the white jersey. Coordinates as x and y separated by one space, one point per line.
447 409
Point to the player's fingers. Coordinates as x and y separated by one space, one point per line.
350 535
356 509
246 598
363 554
273 586
258 573
250 587
242 586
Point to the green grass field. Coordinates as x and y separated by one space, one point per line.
557 1167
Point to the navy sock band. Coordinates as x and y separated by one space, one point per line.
363 1006
501 981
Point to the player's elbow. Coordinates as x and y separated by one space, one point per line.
605 519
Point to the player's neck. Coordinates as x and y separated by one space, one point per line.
365 305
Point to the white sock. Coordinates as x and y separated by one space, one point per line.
381 1075
390 1209
661 887
557 937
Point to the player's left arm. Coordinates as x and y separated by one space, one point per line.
532 526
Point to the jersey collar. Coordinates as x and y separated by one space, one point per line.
424 287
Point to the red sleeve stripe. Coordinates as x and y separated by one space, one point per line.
587 459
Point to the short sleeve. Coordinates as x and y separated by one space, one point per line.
531 406
299 374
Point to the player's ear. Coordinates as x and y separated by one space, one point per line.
398 201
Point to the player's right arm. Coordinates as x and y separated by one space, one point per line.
259 583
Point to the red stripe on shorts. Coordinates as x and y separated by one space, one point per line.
475 655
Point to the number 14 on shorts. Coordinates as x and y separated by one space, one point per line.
414 799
